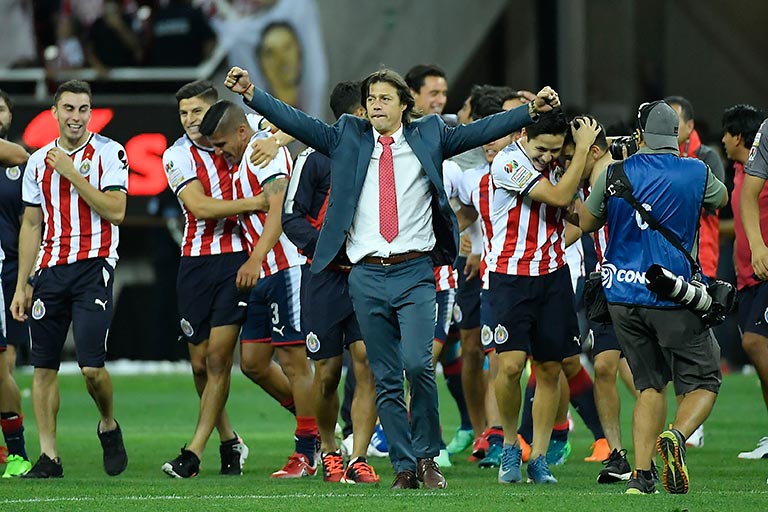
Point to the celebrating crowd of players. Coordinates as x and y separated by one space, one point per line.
254 220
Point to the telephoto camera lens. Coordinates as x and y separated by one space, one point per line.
666 284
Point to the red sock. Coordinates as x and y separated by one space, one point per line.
306 426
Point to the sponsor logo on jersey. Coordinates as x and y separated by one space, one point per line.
500 334
609 273
313 343
38 309
13 173
186 328
519 175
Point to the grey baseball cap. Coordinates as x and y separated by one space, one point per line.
659 124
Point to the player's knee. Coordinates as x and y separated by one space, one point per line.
605 370
571 366
255 370
754 343
93 375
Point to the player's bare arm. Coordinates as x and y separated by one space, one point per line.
203 206
265 150
109 204
30 237
750 213
12 154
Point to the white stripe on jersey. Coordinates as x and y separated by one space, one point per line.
249 182
528 235
477 190
72 230
184 162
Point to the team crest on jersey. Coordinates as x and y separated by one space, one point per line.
313 343
765 315
38 309
486 335
457 316
519 175
13 173
85 168
500 334
186 328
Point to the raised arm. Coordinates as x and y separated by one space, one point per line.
305 128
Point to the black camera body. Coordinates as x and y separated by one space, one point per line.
619 143
711 303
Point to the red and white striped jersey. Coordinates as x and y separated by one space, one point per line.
600 237
184 162
72 231
446 277
528 235
477 190
249 182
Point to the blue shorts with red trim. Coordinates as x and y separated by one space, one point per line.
274 310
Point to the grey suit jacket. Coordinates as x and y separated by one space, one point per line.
349 144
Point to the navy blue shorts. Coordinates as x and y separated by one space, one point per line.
753 309
535 312
445 301
207 294
486 322
80 294
274 310
16 333
467 313
327 314
603 337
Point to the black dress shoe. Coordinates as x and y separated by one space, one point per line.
428 472
405 480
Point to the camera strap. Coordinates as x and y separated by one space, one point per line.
618 185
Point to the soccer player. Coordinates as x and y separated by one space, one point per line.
327 313
211 309
14 334
74 191
529 284
273 274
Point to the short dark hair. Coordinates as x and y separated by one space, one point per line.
7 99
396 81
549 123
744 120
345 98
222 115
686 109
600 140
486 105
417 75
202 88
73 86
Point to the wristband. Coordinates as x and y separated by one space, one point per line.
250 86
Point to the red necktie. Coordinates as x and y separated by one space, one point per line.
388 226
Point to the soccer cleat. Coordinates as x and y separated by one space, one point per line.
378 445
16 465
616 468
443 459
761 452
638 484
671 447
696 440
114 457
525 447
480 447
186 465
509 468
492 457
298 466
233 455
558 452
45 467
462 440
333 467
347 445
538 471
600 451
360 472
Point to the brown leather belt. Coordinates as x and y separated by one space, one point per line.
394 259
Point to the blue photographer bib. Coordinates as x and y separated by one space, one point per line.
672 190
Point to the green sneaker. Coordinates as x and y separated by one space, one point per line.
443 460
558 452
671 447
16 466
462 440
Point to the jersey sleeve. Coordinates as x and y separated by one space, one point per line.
596 201
179 168
451 178
115 168
757 163
30 190
515 175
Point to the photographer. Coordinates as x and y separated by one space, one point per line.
662 341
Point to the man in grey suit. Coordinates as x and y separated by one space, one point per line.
392 166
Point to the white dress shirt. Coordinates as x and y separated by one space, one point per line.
414 206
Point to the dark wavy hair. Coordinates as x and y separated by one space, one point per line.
396 81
